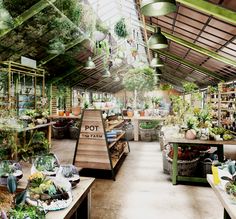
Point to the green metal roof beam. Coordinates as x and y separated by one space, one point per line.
189 64
195 47
26 15
212 9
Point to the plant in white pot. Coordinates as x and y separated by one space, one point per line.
191 128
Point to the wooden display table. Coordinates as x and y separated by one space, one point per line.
194 143
80 206
136 119
64 117
229 208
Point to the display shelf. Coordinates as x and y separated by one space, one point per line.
116 139
111 127
115 161
225 104
92 147
229 92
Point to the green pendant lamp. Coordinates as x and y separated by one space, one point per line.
106 73
157 40
154 8
156 61
89 64
158 71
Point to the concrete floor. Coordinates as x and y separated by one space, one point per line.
143 191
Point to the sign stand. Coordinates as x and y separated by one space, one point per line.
92 148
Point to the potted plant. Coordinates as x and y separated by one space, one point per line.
8 167
230 186
139 80
191 126
147 130
156 101
120 28
134 52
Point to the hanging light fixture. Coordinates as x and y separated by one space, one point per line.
106 73
157 7
156 61
89 64
117 79
157 40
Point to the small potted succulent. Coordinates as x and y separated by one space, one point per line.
9 167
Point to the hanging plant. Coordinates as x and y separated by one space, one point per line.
88 19
121 28
56 46
5 18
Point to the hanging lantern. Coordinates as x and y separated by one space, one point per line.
156 61
89 64
157 40
106 73
157 7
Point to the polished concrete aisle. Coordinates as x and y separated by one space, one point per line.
143 191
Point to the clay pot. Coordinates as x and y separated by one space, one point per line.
60 112
142 113
190 134
130 113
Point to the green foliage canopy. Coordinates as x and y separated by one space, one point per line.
140 79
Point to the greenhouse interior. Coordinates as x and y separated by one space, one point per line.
117 109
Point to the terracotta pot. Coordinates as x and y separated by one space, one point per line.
67 113
142 113
60 112
190 134
130 113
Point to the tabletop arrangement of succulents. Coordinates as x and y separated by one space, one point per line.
227 175
48 188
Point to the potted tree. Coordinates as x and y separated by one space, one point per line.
139 80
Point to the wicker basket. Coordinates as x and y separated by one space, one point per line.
74 132
205 167
59 132
185 167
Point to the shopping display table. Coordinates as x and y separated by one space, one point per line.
194 143
64 117
229 208
80 206
136 119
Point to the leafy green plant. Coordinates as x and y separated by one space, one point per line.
140 79
101 27
37 144
149 125
56 46
120 28
192 123
6 168
26 211
189 87
212 89
166 87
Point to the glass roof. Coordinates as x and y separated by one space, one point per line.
110 12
